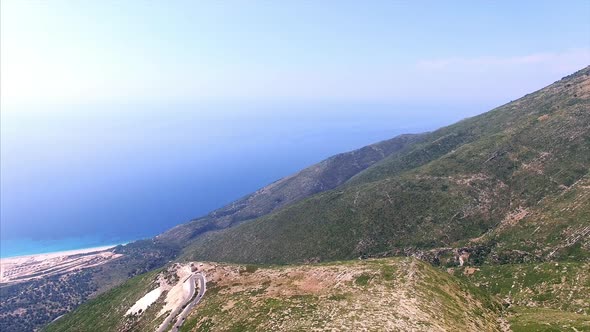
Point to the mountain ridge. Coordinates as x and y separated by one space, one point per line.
493 193
459 182
319 177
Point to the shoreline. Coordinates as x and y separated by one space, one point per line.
67 252
28 267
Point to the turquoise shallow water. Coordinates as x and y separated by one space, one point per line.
22 247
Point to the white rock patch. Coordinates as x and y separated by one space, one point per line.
178 294
143 303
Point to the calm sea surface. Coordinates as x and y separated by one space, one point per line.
84 176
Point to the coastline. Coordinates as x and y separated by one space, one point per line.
12 248
52 254
28 267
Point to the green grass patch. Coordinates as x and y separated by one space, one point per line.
363 279
547 320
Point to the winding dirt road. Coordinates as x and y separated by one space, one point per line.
188 305
191 305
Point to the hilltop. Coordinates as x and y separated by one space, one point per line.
388 294
384 294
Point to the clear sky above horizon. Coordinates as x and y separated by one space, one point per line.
65 52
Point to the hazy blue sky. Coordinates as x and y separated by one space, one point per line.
86 51
121 119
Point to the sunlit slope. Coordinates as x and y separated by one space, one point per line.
395 294
461 182
550 296
107 311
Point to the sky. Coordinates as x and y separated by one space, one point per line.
108 51
121 119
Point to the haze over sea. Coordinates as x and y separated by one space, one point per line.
84 176
121 119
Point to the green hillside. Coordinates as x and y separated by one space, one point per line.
507 192
314 179
376 294
550 296
106 312
482 175
384 294
32 304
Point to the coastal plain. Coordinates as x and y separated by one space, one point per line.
25 268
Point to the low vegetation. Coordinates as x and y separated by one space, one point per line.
380 294
107 311
27 305
491 180
547 320
30 305
498 199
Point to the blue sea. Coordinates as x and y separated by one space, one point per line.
90 175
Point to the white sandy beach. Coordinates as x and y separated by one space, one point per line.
48 255
21 268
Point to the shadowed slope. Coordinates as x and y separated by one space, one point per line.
320 177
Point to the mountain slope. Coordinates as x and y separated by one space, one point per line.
507 191
456 184
29 307
508 186
385 294
319 177
545 296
